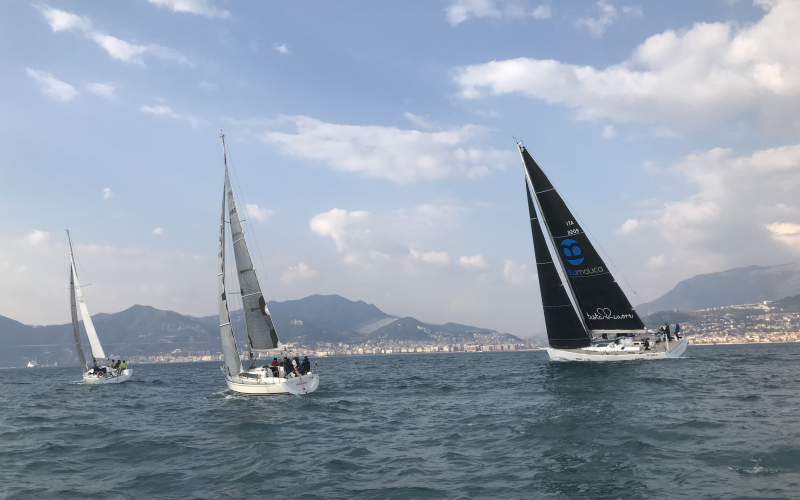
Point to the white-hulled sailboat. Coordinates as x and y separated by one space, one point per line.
261 334
589 319
98 373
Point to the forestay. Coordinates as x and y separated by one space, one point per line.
258 322
599 297
564 329
229 350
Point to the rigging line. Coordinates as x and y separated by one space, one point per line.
252 231
589 231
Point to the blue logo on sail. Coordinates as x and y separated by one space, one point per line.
571 251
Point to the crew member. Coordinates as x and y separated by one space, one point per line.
306 366
678 331
274 367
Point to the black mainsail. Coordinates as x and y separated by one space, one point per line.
564 328
597 294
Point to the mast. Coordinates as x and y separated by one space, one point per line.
229 349
261 334
602 303
91 333
74 310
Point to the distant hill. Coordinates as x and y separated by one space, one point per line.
145 330
742 285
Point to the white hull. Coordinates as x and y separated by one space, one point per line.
92 379
675 350
261 382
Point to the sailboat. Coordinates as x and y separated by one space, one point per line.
33 363
98 373
587 315
259 328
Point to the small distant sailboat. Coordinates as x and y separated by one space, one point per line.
261 334
98 373
587 315
33 363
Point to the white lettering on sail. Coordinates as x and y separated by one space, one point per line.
605 313
586 272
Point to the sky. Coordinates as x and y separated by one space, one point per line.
372 145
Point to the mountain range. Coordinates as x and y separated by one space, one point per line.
145 330
742 285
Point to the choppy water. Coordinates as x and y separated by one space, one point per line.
723 422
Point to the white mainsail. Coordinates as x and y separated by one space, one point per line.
75 330
229 350
94 342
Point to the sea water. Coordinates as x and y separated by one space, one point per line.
722 422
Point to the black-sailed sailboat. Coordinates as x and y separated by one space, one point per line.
586 313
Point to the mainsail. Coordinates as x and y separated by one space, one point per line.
564 329
94 342
261 332
75 329
602 302
229 350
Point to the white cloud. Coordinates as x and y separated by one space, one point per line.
419 121
609 132
730 218
606 15
298 273
473 261
786 233
403 156
461 10
283 49
158 231
260 214
705 74
200 7
516 274
51 87
36 237
436 215
33 272
436 258
103 90
117 48
346 230
107 194
167 112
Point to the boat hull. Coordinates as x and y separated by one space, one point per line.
675 350
92 379
273 386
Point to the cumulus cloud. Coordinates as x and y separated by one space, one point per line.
705 74
33 271
298 273
260 214
743 211
52 87
516 274
437 258
107 194
461 10
60 20
200 7
158 231
786 233
473 262
162 110
103 90
283 49
403 156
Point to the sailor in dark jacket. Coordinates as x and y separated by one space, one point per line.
669 334
305 367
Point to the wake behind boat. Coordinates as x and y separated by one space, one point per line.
99 373
261 334
589 319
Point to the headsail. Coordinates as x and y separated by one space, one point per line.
94 341
229 350
601 300
258 322
564 329
75 328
